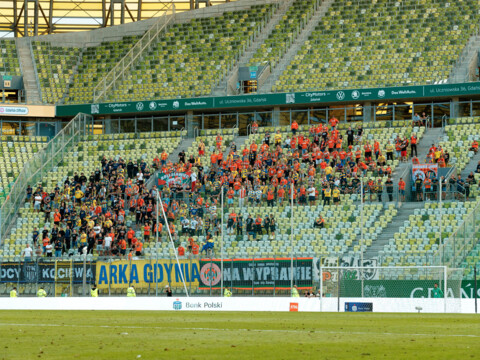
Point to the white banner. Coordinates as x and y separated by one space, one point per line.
164 303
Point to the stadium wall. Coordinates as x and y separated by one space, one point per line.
284 304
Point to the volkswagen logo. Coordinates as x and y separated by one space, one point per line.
139 106
340 95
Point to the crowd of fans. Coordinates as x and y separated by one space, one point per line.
90 213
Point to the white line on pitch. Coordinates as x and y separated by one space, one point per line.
254 330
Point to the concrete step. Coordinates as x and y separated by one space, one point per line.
295 47
405 210
30 80
222 88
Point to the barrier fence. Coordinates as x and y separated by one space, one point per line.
243 277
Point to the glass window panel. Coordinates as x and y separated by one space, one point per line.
301 116
160 124
228 120
284 119
144 125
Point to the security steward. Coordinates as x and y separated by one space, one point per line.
131 292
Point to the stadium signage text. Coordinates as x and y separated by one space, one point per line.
120 274
256 273
43 273
404 288
277 99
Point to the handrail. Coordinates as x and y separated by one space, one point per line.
37 166
100 90
39 88
444 122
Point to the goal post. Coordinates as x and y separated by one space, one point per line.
399 282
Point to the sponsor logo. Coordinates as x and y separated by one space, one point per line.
176 104
290 98
139 106
30 272
355 94
177 305
381 93
210 274
14 110
95 109
152 105
340 95
293 306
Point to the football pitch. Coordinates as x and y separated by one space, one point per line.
236 335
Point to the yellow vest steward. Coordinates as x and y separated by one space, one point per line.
131 292
94 292
13 293
41 293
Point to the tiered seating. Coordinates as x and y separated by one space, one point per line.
209 139
417 241
193 56
86 158
97 61
372 131
458 140
340 236
385 42
55 67
9 64
470 261
285 33
14 152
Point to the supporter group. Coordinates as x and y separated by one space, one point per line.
90 212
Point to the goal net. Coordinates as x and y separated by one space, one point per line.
439 283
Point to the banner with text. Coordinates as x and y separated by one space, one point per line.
257 274
179 178
142 273
277 99
44 272
405 288
424 170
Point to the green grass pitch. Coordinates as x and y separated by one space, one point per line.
236 335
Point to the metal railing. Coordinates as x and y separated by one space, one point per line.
155 272
109 81
34 63
34 170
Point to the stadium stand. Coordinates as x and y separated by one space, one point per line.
417 240
194 56
96 62
285 32
97 154
55 67
458 140
14 152
9 64
381 43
